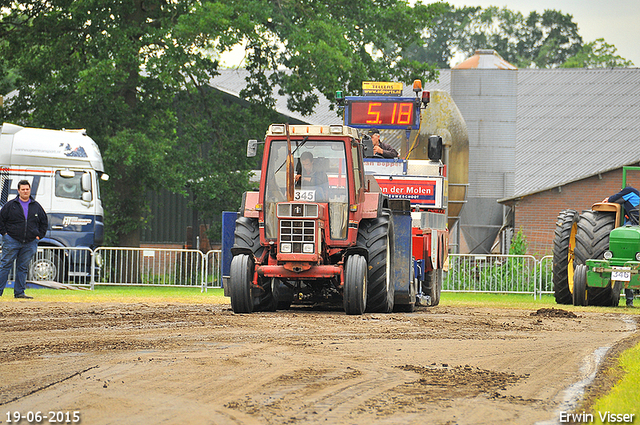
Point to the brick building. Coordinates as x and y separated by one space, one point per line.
536 214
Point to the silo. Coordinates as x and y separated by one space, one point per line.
485 89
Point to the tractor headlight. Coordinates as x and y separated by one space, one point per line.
637 256
608 255
285 247
307 248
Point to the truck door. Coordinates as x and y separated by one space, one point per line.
73 208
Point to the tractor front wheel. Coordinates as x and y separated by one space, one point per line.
355 285
580 285
616 288
240 283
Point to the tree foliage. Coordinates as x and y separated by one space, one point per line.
540 40
135 75
597 54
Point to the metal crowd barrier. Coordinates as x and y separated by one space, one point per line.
513 274
516 274
149 267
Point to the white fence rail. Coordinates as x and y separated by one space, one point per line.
517 274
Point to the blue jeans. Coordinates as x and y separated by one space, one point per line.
21 253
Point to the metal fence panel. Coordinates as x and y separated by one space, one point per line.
64 265
150 267
181 267
213 276
491 273
545 275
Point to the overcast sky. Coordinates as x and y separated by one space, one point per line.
617 21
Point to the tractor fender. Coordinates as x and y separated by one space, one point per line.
374 203
356 250
248 206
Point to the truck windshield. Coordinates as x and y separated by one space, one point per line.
320 176
69 187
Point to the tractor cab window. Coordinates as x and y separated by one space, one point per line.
320 175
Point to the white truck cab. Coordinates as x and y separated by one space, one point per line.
64 168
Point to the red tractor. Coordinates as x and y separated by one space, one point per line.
313 232
332 223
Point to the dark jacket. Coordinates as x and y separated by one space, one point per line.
629 198
388 151
13 223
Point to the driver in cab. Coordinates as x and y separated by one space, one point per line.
307 176
379 148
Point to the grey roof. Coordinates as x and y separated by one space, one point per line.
571 123
232 81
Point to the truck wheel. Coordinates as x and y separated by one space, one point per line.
47 265
355 285
580 285
563 246
592 240
240 283
247 235
377 237
434 280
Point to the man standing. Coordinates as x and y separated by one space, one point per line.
380 148
23 223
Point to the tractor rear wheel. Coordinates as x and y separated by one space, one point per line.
580 285
355 285
563 246
282 294
377 237
240 283
592 240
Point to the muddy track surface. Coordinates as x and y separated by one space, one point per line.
183 363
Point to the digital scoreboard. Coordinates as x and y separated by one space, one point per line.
382 112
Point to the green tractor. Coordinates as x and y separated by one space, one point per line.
595 255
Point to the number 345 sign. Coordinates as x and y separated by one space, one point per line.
304 195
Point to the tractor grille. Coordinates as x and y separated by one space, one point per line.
298 236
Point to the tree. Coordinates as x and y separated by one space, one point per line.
123 71
539 40
597 54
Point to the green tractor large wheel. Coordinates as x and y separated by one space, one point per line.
563 246
592 240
